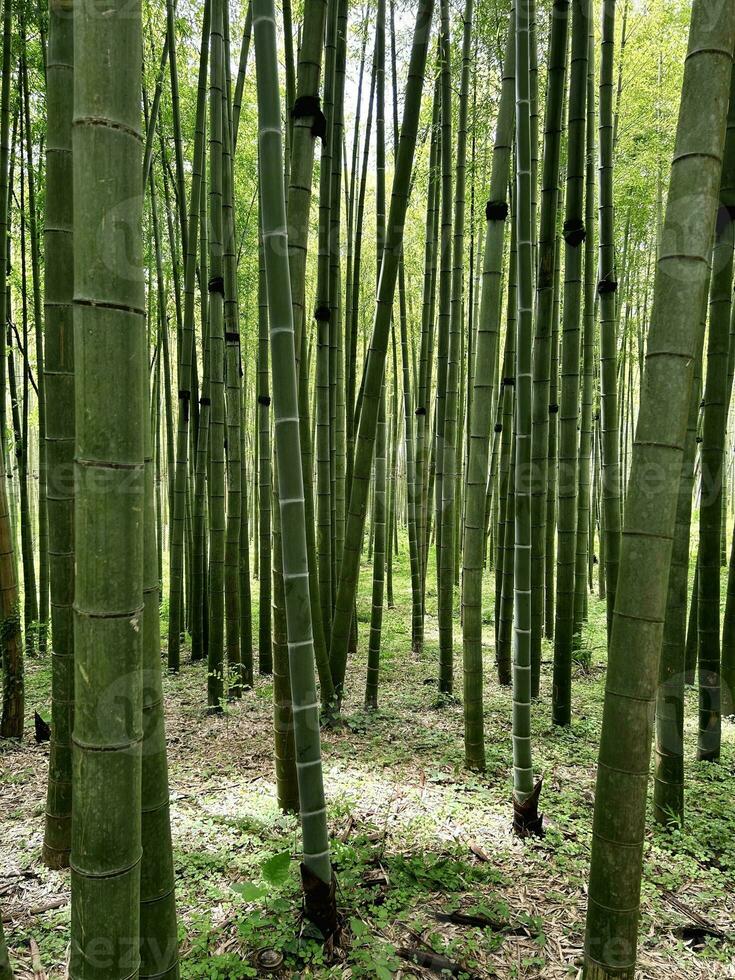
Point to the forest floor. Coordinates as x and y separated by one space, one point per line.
414 835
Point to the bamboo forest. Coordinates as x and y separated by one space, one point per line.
367 489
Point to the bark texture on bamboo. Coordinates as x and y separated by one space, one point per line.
574 236
525 792
159 954
484 383
681 278
111 415
714 425
216 289
290 480
669 773
543 408
186 360
607 291
446 383
59 257
587 360
13 702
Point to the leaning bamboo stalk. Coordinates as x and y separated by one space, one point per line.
316 868
484 379
544 407
607 290
186 364
375 366
681 278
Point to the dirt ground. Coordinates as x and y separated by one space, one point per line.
414 835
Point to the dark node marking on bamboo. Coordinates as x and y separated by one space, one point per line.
205 401
320 902
607 286
699 439
421 411
553 409
310 106
232 337
322 314
264 400
498 427
496 210
509 382
216 284
574 232
185 397
527 821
